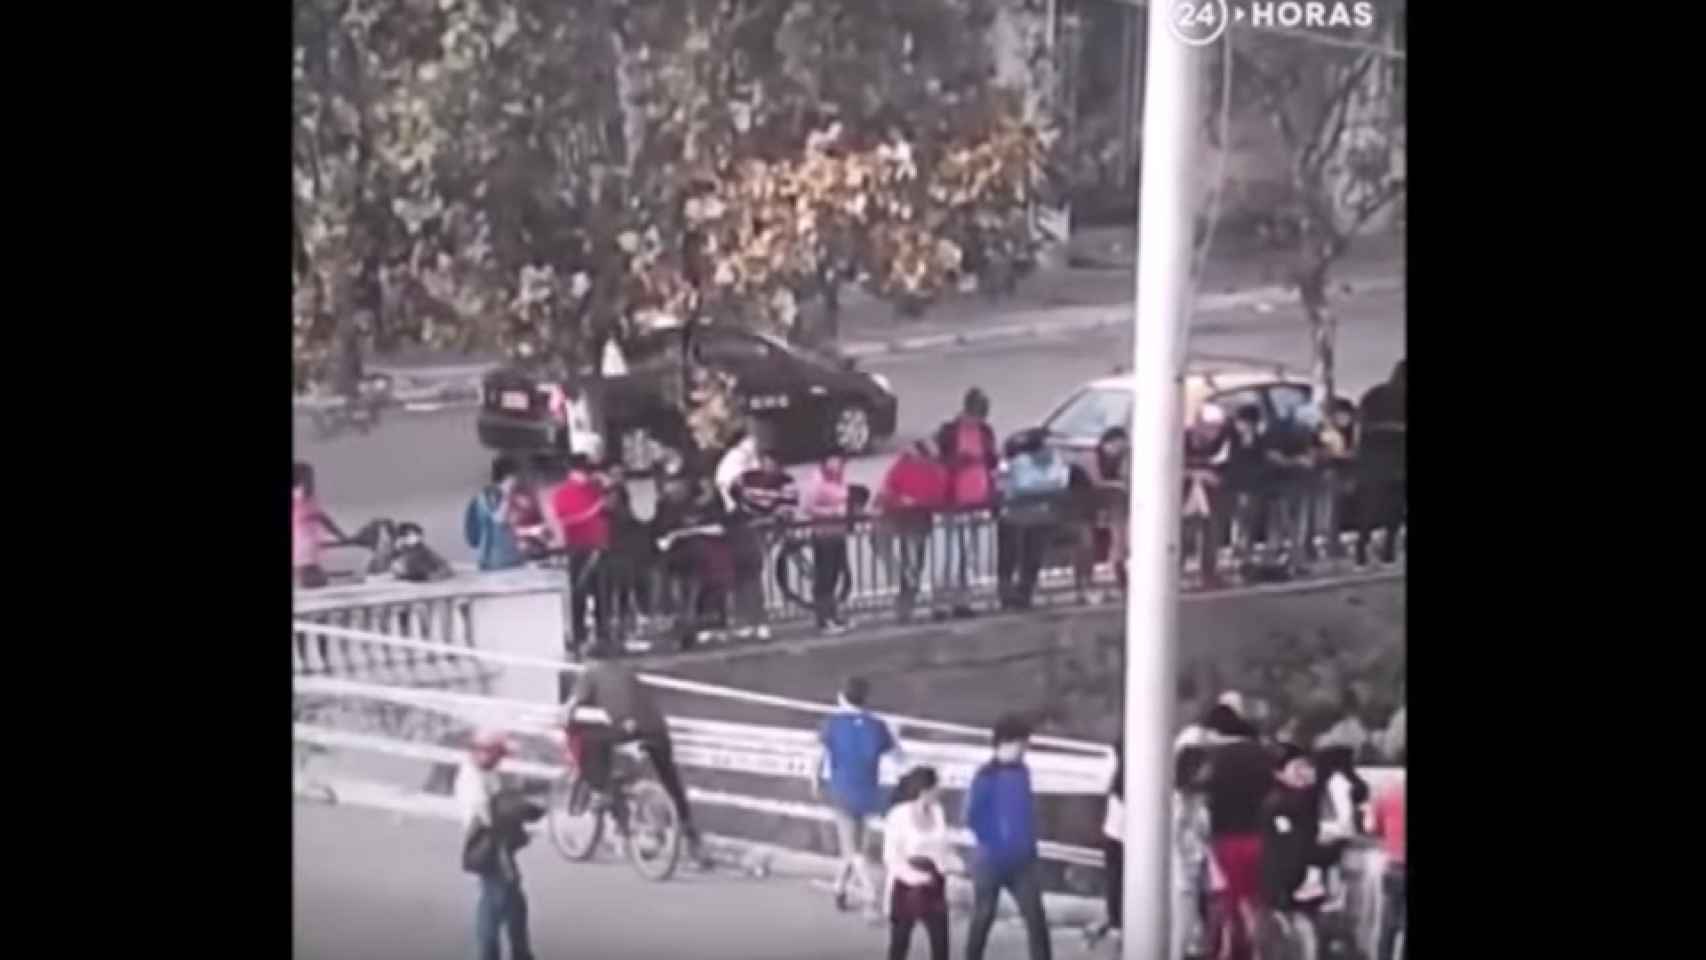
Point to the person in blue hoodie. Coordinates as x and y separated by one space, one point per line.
486 522
1001 812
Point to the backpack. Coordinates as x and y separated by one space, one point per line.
476 520
971 486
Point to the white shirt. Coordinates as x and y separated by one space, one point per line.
904 839
474 791
737 461
1113 824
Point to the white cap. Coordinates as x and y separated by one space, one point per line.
1211 415
1232 700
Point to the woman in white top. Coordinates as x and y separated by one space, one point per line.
916 855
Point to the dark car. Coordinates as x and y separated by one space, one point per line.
805 403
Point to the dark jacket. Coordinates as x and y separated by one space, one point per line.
1241 774
1291 833
1001 812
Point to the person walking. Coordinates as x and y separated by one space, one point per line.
968 450
307 524
853 742
826 505
917 856
486 522
493 821
1381 466
1001 812
584 528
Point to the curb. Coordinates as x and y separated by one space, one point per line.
458 387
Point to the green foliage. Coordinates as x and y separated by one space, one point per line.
538 176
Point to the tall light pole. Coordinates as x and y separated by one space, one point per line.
1166 213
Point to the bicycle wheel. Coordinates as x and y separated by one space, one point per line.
793 570
575 828
654 831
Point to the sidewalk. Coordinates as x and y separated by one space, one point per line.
1054 302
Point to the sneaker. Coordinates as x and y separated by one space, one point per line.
1312 888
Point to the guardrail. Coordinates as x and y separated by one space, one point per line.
912 568
778 756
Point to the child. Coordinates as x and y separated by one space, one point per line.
414 560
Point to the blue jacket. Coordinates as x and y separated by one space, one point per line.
487 533
1001 812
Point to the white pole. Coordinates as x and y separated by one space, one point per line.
1163 302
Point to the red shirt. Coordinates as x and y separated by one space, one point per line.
572 503
1389 821
915 483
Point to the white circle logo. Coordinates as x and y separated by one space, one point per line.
1198 23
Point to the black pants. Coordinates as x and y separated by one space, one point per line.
829 564
1113 870
600 743
1380 506
1019 550
935 927
588 584
1024 885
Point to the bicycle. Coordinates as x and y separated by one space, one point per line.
793 571
644 816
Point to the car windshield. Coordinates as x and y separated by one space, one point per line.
798 353
1091 412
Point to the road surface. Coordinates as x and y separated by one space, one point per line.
424 467
370 885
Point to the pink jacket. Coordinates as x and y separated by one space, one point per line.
825 498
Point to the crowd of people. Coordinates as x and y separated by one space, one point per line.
1260 828
1274 491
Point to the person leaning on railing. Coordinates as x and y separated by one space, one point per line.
1381 465
761 495
1209 504
915 487
826 505
1032 482
967 447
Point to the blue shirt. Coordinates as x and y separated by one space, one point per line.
856 743
488 533
1000 810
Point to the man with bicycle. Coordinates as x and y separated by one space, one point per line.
634 718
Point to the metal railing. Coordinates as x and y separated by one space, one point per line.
918 566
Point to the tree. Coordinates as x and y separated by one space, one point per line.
1339 114
539 177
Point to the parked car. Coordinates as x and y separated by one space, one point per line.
806 403
1077 424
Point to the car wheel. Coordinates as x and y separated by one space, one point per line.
850 430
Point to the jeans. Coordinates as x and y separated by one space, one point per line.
501 905
910 545
1203 535
1025 887
1289 520
1330 502
829 563
1394 914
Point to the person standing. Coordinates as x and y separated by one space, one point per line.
1113 485
1032 505
628 563
307 523
917 856
914 488
826 505
579 508
1208 445
1240 778
1246 475
1337 443
1381 466
486 523
967 446
1113 854
1289 447
493 821
853 741
1001 812
1389 826
1291 833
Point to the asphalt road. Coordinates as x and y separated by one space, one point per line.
424 467
369 885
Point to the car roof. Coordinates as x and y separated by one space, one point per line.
1216 373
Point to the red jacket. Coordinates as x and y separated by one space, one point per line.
915 483
572 503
